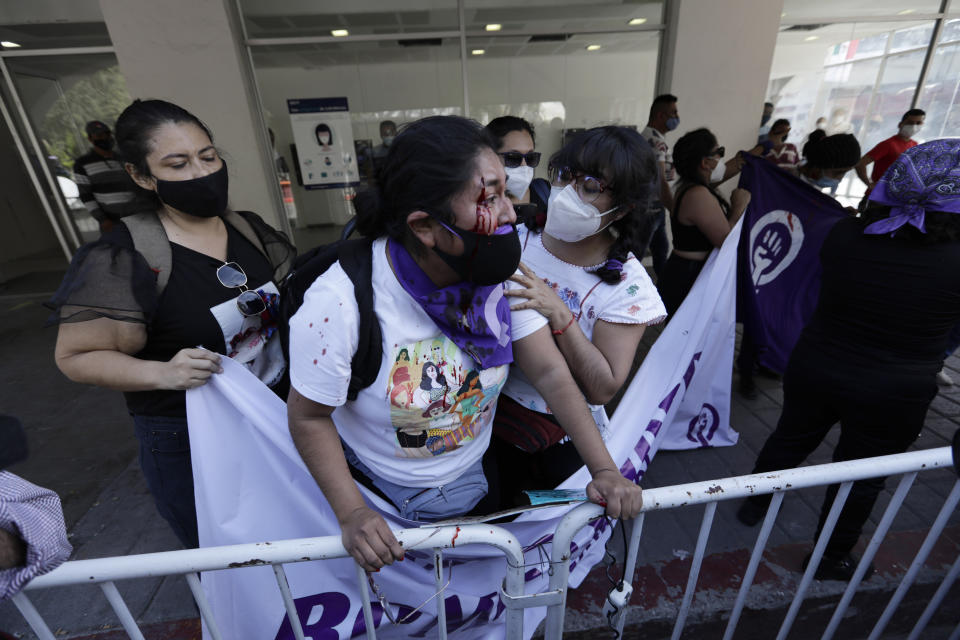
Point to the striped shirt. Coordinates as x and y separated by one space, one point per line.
105 188
33 514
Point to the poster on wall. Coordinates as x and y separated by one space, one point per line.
324 137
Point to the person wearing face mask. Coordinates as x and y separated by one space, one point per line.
663 118
443 243
702 218
885 153
152 330
580 270
105 188
516 146
765 127
828 159
777 150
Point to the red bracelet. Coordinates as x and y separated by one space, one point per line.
558 332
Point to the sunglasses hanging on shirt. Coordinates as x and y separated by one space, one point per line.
232 276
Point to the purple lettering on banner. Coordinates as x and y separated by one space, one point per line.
688 376
628 471
456 619
335 606
532 574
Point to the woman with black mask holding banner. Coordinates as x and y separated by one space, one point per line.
443 243
150 308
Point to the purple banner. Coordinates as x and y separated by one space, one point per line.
778 267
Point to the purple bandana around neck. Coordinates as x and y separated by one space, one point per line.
476 318
924 178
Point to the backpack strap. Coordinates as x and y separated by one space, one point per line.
240 223
150 240
356 259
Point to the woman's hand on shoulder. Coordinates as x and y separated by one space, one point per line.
622 498
537 295
369 540
188 369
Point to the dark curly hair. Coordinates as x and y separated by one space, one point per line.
429 163
941 226
628 166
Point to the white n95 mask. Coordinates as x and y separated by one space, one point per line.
718 171
571 219
518 180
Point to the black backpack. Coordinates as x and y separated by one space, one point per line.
356 259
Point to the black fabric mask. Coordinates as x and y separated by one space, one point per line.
104 144
204 197
486 260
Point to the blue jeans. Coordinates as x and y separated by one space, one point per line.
659 246
165 461
453 499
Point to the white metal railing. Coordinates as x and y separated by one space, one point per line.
778 483
105 571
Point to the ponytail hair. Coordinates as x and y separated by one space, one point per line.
429 163
689 151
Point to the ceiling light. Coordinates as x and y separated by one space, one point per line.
6 44
592 47
478 52
636 21
811 38
493 27
339 33
905 12
783 15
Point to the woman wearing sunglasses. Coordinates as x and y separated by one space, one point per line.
118 330
516 147
582 273
443 243
701 217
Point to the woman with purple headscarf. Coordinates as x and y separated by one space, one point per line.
869 356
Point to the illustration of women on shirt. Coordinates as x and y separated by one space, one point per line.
469 400
401 391
433 385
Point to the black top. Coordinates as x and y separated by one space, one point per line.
184 316
886 305
687 237
109 278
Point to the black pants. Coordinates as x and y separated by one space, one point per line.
883 420
677 279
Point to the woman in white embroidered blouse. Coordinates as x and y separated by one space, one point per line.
580 272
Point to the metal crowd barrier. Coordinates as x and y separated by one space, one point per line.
105 571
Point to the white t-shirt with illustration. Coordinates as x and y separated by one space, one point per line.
633 300
428 415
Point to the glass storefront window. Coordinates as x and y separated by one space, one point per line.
941 94
32 25
60 95
563 85
294 18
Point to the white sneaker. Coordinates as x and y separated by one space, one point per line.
943 379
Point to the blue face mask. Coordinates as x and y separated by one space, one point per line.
672 123
826 183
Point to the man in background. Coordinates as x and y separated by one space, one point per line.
388 131
664 117
764 130
105 188
885 153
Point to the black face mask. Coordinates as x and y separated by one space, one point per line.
486 260
105 144
204 197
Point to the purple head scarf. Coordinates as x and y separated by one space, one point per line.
924 178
